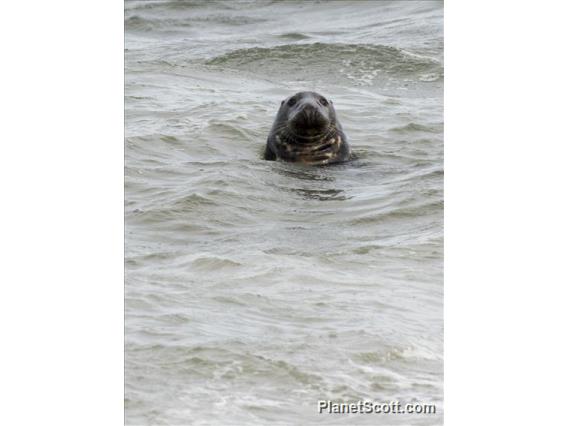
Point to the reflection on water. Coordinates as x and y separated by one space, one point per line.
318 183
303 172
321 194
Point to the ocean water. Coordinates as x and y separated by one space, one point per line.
254 289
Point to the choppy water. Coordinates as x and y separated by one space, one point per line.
254 288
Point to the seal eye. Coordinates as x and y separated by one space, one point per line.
292 101
323 102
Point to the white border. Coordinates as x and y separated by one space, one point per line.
61 171
62 228
505 213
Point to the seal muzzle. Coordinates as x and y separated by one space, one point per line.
309 119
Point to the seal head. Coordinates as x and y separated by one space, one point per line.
306 130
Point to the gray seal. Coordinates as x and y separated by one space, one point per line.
306 130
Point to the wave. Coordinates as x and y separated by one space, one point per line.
214 263
139 23
171 5
294 36
397 213
355 61
417 127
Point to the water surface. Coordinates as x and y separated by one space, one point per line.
254 288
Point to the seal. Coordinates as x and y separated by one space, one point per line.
306 130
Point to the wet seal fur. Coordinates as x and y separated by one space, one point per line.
306 130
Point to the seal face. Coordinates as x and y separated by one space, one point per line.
306 130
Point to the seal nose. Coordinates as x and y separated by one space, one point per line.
309 108
309 111
308 118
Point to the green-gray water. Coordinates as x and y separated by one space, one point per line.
254 288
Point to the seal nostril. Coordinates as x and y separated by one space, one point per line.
310 111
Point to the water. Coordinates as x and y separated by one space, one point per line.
254 288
